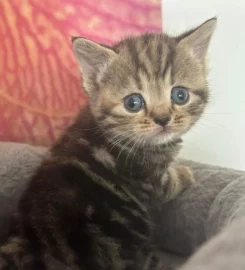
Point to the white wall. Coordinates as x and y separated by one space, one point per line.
219 138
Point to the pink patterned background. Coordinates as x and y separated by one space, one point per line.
40 89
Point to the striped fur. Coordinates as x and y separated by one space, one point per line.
94 201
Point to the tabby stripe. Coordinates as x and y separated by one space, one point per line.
144 68
139 222
138 81
149 53
10 261
135 57
170 63
126 195
121 230
123 221
166 68
60 249
195 107
107 114
135 213
202 94
133 52
103 242
139 204
98 179
160 57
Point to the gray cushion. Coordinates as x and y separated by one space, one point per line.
201 212
225 251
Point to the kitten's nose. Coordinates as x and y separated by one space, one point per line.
162 121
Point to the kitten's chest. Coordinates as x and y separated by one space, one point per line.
147 189
144 176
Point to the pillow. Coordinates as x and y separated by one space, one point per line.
40 88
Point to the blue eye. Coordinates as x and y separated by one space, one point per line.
180 95
134 102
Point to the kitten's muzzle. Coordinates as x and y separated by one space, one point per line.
162 121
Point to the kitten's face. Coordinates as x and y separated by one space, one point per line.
148 89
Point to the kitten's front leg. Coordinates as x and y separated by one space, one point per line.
175 180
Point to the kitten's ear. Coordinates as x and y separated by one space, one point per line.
92 57
199 38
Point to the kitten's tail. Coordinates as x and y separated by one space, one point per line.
17 254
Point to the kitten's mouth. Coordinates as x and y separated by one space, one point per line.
165 129
164 135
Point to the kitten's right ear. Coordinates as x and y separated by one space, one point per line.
92 57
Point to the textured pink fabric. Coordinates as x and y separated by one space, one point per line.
40 89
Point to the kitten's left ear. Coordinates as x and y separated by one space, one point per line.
199 38
92 57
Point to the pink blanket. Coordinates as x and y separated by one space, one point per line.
39 78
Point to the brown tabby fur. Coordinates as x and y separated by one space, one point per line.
94 202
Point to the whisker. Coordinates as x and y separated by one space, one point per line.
125 145
129 153
133 158
217 124
214 113
119 140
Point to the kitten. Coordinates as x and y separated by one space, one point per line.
94 201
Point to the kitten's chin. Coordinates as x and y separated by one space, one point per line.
165 138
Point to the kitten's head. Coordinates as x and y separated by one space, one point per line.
151 88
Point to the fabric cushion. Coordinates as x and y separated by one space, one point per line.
200 213
40 89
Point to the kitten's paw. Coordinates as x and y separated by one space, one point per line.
185 176
177 180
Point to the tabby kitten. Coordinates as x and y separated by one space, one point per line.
94 201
